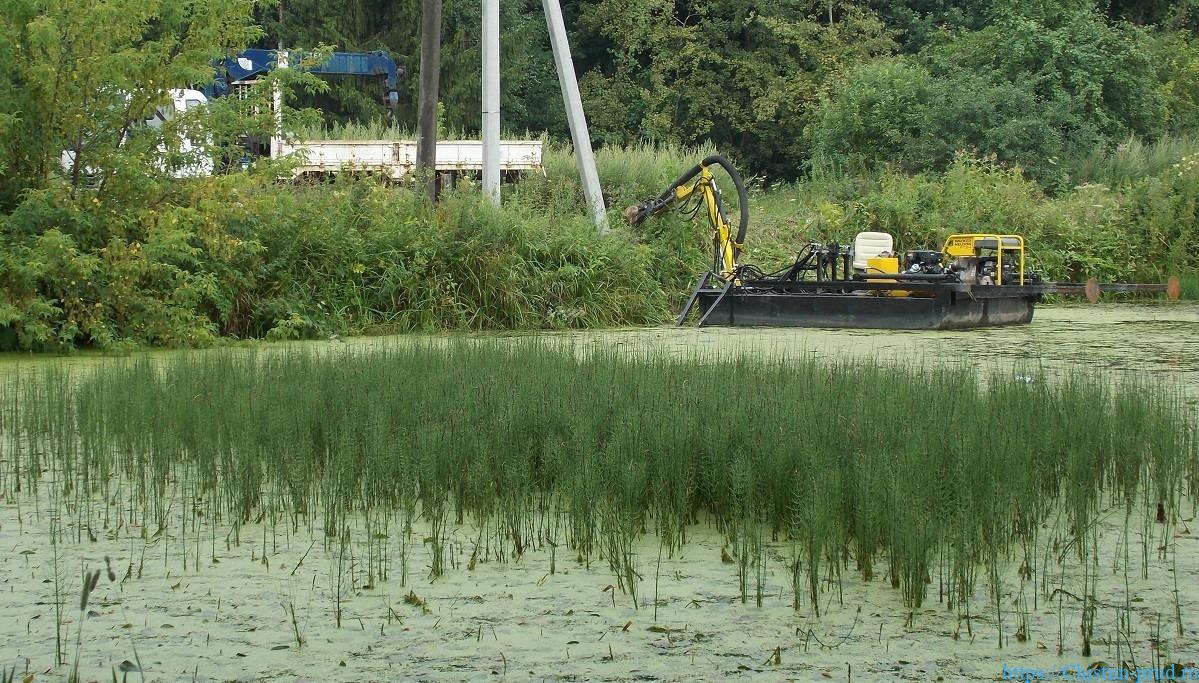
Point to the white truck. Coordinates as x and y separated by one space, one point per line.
194 166
394 159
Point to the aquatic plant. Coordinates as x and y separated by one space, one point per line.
909 473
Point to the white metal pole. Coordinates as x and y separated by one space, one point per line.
574 113
491 99
277 104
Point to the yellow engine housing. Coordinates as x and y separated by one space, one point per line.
972 246
883 264
887 265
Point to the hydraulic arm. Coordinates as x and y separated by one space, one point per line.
697 190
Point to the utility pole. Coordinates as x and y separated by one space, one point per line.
426 118
281 62
574 114
491 99
277 92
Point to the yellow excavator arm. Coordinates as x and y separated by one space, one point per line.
699 184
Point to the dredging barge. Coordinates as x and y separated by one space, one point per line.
974 280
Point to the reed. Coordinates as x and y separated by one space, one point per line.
1132 160
899 472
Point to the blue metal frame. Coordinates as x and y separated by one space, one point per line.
232 69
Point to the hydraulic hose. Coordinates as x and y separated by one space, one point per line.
637 214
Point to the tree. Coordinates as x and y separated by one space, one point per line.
1066 80
919 21
743 75
1065 50
1164 13
80 76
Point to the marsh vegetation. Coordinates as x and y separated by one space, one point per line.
932 478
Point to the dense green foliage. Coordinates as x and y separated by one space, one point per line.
1067 81
238 255
1143 230
781 83
218 259
590 451
110 248
81 76
778 84
1134 216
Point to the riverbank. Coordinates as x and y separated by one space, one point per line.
241 256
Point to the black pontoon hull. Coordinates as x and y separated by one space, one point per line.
946 310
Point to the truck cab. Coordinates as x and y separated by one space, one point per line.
196 165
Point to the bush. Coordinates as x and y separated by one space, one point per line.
1070 81
241 256
1164 211
223 256
1147 231
62 285
384 260
1132 160
1177 54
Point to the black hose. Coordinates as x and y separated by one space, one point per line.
742 194
908 277
715 160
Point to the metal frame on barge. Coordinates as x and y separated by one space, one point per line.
856 304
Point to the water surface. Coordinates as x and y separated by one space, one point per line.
1157 340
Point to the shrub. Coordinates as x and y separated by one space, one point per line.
226 256
1069 80
1086 233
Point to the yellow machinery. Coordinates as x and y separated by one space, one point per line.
974 280
885 265
726 247
983 258
970 258
726 244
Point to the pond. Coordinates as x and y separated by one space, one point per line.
267 605
1121 338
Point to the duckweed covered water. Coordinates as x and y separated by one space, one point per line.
932 461
848 457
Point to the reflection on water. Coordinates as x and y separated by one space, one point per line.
1116 338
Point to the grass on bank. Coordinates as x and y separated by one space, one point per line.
1133 214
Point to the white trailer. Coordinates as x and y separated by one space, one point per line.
391 158
397 158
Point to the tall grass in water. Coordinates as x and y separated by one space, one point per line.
906 474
